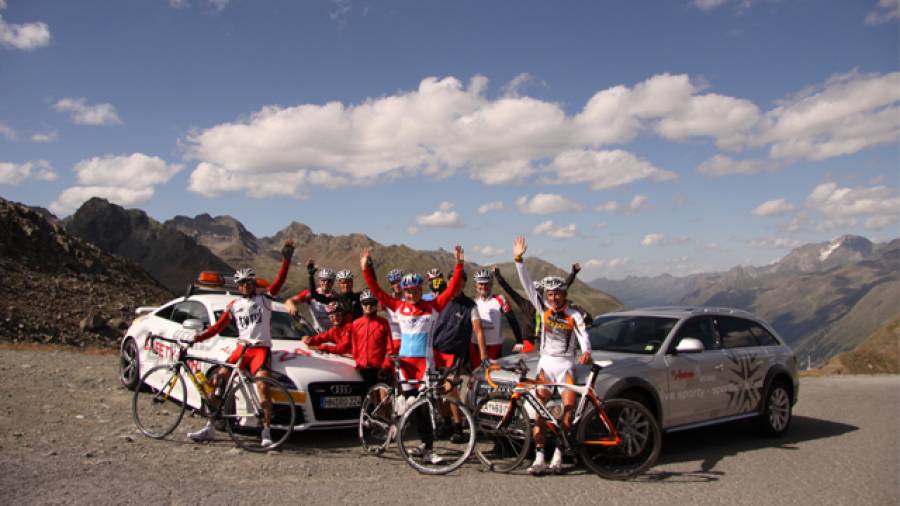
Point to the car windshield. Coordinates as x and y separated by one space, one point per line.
630 334
283 327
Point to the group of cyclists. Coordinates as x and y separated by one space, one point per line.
441 328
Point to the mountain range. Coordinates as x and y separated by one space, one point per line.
822 298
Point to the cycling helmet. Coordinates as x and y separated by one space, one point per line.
337 307
435 273
344 274
553 283
537 285
245 274
367 296
326 273
483 276
411 280
394 276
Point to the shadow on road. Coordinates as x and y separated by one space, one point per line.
711 445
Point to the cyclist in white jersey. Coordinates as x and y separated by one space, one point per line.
318 309
490 308
561 327
252 315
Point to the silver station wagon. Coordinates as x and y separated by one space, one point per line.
691 366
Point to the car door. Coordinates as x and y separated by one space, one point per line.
170 327
695 379
747 364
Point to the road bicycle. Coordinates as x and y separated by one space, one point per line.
387 414
160 401
615 438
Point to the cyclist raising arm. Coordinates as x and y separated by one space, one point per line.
252 313
561 326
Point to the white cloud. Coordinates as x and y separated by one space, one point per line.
444 217
26 36
884 12
639 203
83 113
608 207
412 230
846 114
8 132
44 136
444 127
16 173
219 5
488 251
212 181
774 207
773 243
490 206
603 169
721 165
879 222
836 202
341 9
126 180
606 263
547 228
546 203
652 240
708 5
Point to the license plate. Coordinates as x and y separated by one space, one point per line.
496 408
341 402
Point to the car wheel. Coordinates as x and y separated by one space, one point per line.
775 417
129 365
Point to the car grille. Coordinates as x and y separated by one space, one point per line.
320 392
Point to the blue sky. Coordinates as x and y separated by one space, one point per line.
634 137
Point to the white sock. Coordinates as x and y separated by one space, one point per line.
557 457
539 456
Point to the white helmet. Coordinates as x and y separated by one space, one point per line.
367 295
344 274
326 273
434 273
553 283
245 274
483 276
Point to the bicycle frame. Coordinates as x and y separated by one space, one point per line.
525 389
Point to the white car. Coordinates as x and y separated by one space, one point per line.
327 390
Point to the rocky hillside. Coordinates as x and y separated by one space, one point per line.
877 354
226 237
169 255
60 289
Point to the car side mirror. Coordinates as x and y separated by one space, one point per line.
689 345
192 324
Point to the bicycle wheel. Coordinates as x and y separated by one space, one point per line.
639 445
243 414
419 444
504 432
157 404
376 419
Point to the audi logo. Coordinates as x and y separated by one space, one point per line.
341 389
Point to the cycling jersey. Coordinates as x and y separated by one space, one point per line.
416 320
489 311
340 335
559 329
317 308
253 315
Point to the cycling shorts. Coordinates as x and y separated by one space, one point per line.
493 351
257 358
556 370
442 359
413 368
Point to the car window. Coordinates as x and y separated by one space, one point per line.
230 330
700 328
630 334
763 336
165 312
735 332
190 309
285 327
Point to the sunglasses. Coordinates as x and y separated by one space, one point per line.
368 302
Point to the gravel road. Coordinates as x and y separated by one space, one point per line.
66 436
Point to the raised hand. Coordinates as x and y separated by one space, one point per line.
311 266
519 246
494 270
458 254
287 251
576 267
365 260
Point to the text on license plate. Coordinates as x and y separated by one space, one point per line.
350 401
497 408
